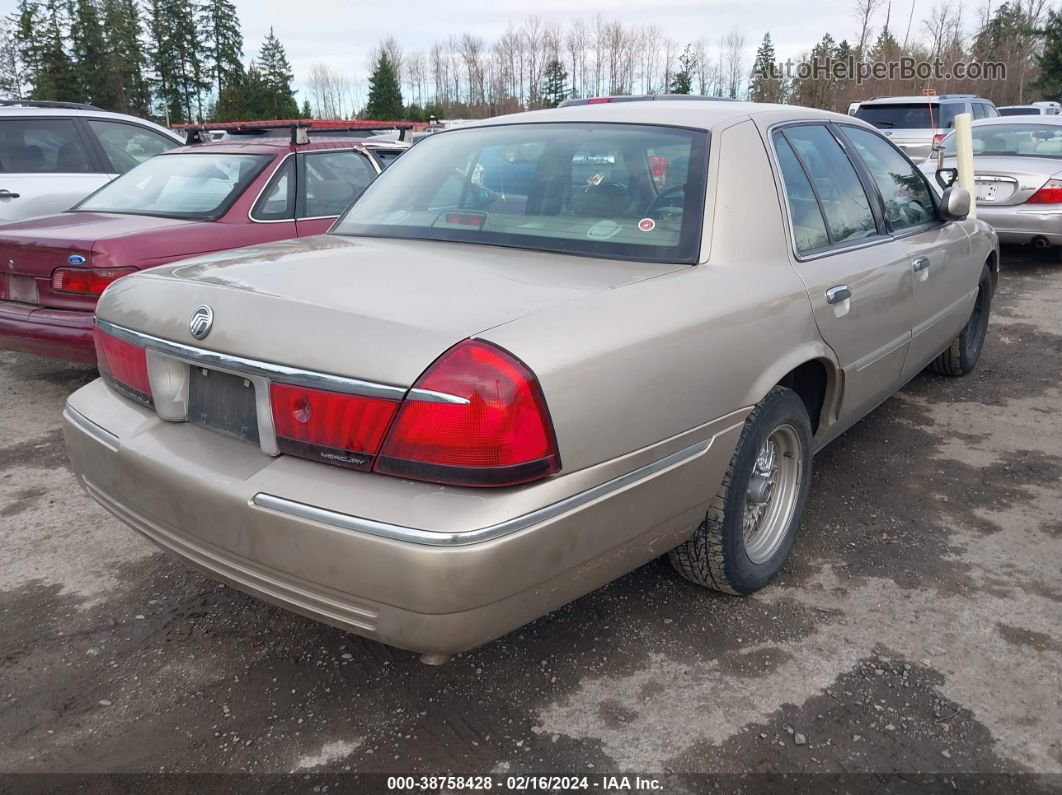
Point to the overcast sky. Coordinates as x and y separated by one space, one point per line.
342 33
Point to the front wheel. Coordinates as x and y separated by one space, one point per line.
753 520
960 358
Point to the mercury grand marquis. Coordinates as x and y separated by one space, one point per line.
537 353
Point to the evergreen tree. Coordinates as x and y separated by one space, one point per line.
28 22
89 53
307 111
816 89
176 51
125 57
385 94
222 42
682 82
276 76
554 83
766 84
1049 84
55 78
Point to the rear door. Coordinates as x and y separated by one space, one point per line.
329 181
46 166
945 284
858 277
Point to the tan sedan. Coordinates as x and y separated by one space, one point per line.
537 353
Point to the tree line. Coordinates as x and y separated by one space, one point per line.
180 60
173 60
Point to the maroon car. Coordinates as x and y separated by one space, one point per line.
188 201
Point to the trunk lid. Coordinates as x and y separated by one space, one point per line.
30 250
1007 181
375 309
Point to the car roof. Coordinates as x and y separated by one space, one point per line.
938 98
86 112
265 145
698 115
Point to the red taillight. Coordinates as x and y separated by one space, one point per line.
1050 193
86 281
492 430
330 426
598 100
938 138
124 366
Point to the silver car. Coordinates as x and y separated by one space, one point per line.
538 352
1018 175
916 124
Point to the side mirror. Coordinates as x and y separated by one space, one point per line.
955 204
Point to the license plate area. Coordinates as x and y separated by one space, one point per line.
223 402
22 289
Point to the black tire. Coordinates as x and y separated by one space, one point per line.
715 555
960 358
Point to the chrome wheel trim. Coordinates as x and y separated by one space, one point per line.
772 493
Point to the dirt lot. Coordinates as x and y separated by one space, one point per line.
917 629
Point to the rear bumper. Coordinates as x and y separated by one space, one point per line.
56 333
422 567
1024 223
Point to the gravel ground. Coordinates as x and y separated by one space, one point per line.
916 630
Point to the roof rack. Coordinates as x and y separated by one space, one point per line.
300 128
43 103
641 98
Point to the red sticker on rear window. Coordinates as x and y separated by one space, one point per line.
647 224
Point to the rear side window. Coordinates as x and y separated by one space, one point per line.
835 182
128 145
910 115
615 190
386 157
809 228
903 188
334 180
277 203
42 146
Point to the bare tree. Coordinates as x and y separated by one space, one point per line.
331 93
734 60
533 38
864 14
578 42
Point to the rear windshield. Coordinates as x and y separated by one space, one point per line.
1029 140
611 190
910 116
1028 111
200 185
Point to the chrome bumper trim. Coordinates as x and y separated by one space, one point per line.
414 535
281 372
92 429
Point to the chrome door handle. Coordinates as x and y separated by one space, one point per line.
920 264
6 194
837 294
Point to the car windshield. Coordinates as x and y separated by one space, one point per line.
910 115
386 156
611 190
199 185
1024 111
1025 140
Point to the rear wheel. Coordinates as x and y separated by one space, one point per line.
753 520
960 358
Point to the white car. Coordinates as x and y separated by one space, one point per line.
53 154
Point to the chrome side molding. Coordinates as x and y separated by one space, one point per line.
357 524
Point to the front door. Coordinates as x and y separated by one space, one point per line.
938 251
